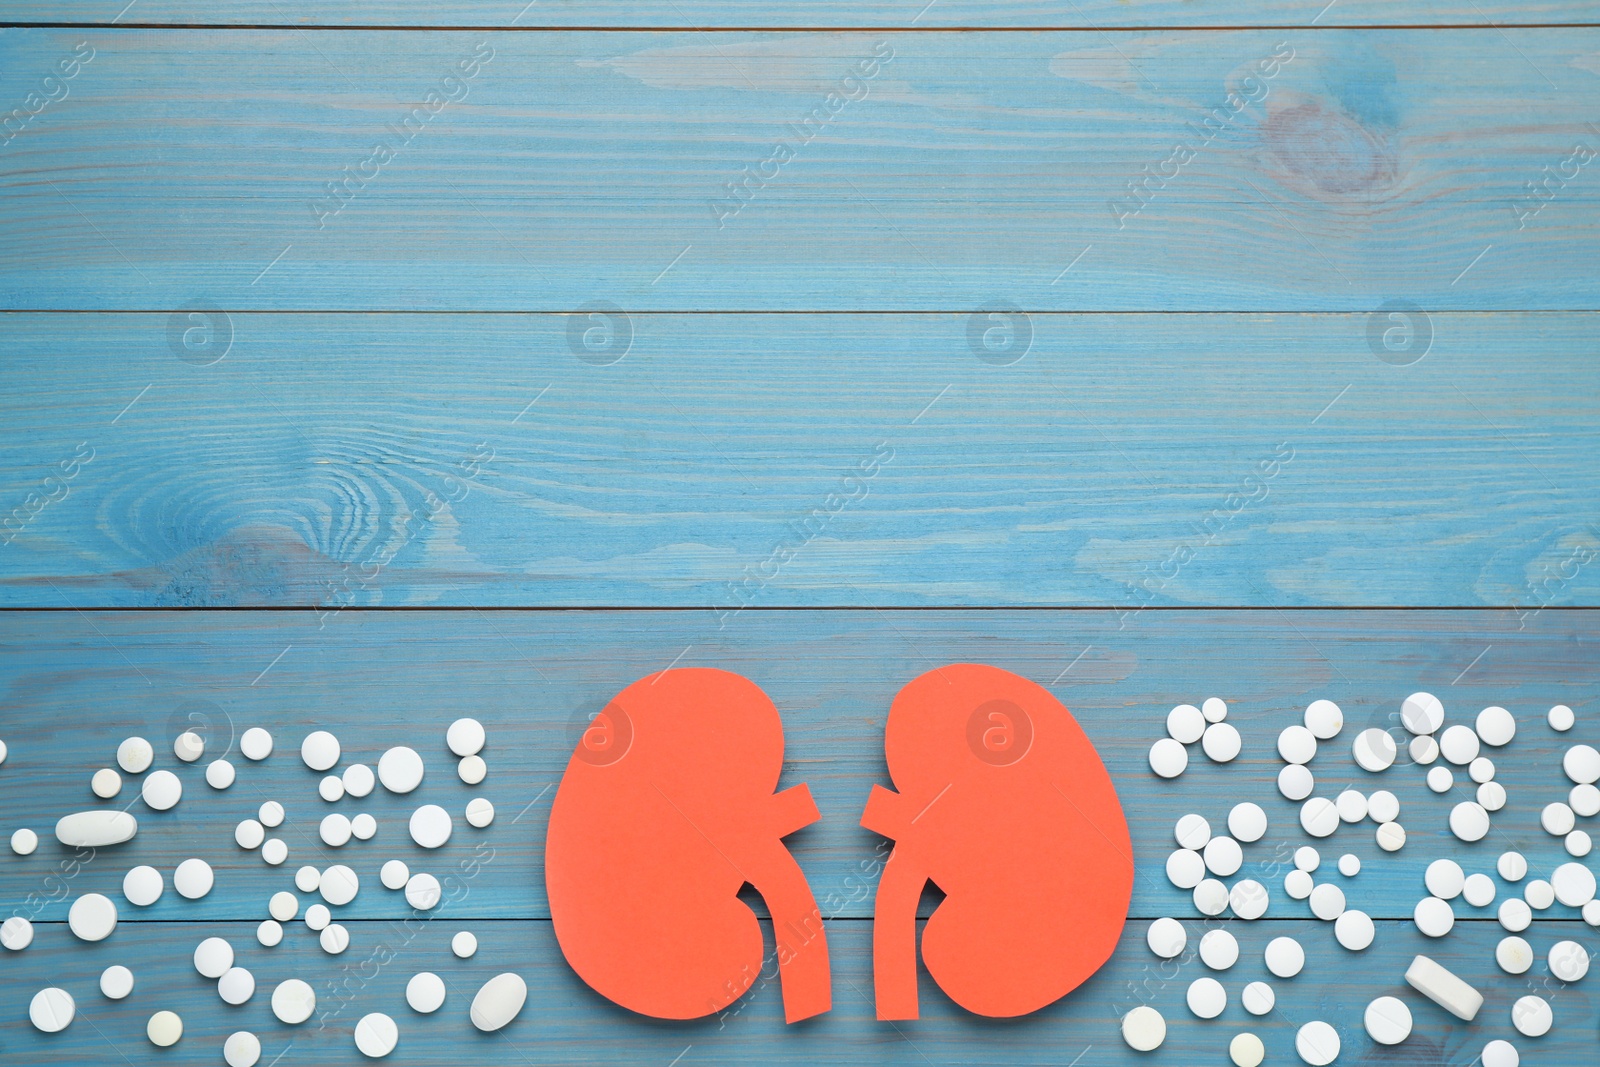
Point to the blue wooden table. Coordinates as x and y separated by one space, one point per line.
367 365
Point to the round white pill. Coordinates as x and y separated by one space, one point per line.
1319 817
1584 800
134 755
1352 805
1512 867
1246 1050
363 826
320 750
1481 770
92 917
1185 868
1324 719
1391 837
480 812
1307 858
52 1010
1354 930
162 790
331 788
1143 1028
1582 764
1423 749
1374 750
1298 884
142 886
213 957
1478 890
1574 884
1434 917
400 769
1469 821
1499 1053
1285 957
106 783
255 743
1515 915
376 1035
283 906
395 874
1578 843
1296 782
270 814
1166 937
1591 913
1247 822
423 892
464 944
24 841
1327 902
1223 856
236 986
1248 899
425 992
1219 950
1168 758
1192 831
1215 709
1210 897
430 826
1459 745
193 879
334 939
1258 998
1532 1016
1206 998
358 779
1221 742
1441 779
1422 713
334 829
1349 865
465 737
1317 1043
1444 879
116 982
1568 960
269 933
1296 744
307 878
1561 718
1496 726
1557 819
242 1049
16 933
472 769
339 885
1388 1020
164 1029
1514 955
1185 724
219 774
1491 796
249 834
293 1001
317 917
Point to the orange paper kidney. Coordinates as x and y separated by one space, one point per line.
666 810
1005 805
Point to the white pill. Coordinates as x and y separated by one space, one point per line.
1491 796
94 829
164 1029
1374 750
1298 884
1166 937
1444 879
3 751
213 957
334 939
249 834
283 906
376 1035
269 933
242 1049
1582 764
1185 724
1247 822
363 826
1441 779
1185 868
1584 800
143 886
318 917
1349 865
293 1001
1573 884
1206 998
1223 856
334 829
472 769
1422 713
1391 837
24 841
256 744
274 851
331 788
116 982
1481 770
1532 1016
1296 744
339 885
1514 955
395 874
134 755
1434 917
425 992
52 1010
1248 899
1296 782
1459 745
1215 709
92 917
1222 742
1307 858
1354 930
307 878
1561 718
358 779
1192 831
1317 1043
1388 1020
1478 890
465 737
236 986
464 944
188 746
430 826
1246 1050
1591 913
320 750
1324 719
1143 1028
1512 866
16 933
1423 749
162 790
400 769
480 812
271 814
193 879
1568 960
498 1001
1319 817
1327 902
423 892
1469 821
1557 819
1258 998
1578 843
1515 915
1210 897
1352 805
1285 957
1496 726
1219 950
106 783
1500 1053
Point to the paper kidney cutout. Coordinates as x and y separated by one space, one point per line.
666 810
1004 804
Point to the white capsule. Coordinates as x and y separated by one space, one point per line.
1221 742
1422 713
1445 989
1373 750
498 1001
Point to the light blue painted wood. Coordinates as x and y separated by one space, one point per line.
971 167
333 460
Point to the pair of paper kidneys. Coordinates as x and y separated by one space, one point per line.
667 810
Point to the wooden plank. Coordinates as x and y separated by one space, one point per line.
333 460
574 167
77 683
